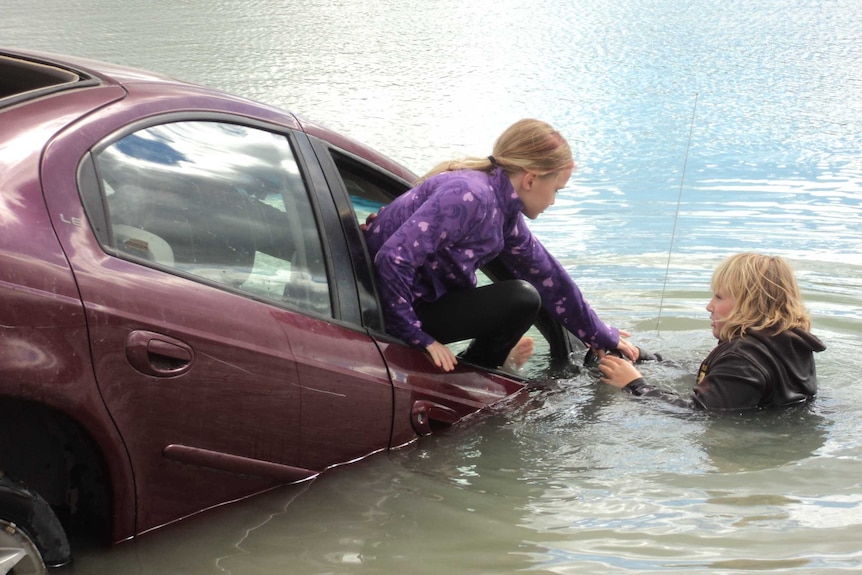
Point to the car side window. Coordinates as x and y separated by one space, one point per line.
221 202
368 191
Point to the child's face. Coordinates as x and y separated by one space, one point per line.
539 192
719 307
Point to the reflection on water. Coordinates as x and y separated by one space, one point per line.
572 477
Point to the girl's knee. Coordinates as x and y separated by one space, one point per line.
526 296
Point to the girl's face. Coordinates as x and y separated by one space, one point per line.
719 307
539 192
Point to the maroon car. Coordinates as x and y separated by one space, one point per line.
188 314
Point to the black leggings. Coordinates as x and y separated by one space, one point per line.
494 316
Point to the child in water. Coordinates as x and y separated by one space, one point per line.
765 353
429 242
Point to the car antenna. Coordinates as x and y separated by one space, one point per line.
676 216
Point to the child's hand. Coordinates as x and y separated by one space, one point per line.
626 348
368 220
442 356
617 371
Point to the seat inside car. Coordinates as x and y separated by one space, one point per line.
141 243
206 230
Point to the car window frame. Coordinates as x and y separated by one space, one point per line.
362 265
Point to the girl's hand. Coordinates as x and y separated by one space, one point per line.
617 371
627 349
368 220
442 356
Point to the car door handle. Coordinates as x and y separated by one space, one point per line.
425 415
159 355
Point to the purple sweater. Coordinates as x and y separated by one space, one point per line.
433 238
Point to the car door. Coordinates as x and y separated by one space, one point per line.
425 398
207 291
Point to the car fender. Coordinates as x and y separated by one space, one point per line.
43 339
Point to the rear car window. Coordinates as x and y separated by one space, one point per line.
220 202
22 79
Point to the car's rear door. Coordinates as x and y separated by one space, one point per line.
207 290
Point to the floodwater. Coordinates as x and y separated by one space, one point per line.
700 129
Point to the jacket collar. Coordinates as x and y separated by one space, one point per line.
508 199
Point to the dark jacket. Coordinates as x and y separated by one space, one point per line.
754 371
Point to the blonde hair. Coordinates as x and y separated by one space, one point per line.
528 145
765 294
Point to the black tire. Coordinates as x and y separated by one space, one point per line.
28 522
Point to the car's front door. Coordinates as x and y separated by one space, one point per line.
425 397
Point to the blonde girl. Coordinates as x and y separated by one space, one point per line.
429 242
765 351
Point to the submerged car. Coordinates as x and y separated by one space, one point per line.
188 314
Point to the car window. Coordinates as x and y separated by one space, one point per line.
367 189
220 202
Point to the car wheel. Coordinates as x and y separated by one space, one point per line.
31 537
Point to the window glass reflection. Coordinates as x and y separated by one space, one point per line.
222 202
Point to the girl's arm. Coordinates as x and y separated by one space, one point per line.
621 373
730 382
528 259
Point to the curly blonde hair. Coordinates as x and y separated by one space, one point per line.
528 145
765 293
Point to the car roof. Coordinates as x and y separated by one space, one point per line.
27 76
